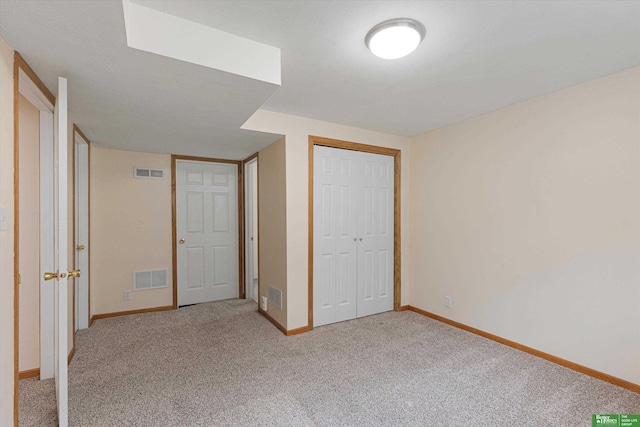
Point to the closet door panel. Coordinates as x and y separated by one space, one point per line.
353 234
335 228
375 251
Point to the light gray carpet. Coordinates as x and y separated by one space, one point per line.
223 364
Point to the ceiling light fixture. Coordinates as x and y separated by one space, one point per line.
395 38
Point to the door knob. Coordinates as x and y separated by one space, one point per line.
74 273
49 276
182 241
80 248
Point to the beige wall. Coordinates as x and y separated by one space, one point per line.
273 225
528 217
297 131
6 237
29 236
130 229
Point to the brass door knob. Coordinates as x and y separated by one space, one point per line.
80 248
74 273
182 241
49 276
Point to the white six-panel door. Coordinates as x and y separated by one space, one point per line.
335 235
207 231
352 234
375 228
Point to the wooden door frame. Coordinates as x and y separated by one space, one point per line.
374 149
174 231
19 64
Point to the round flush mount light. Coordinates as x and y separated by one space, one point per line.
395 38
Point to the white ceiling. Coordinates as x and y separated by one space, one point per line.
126 98
478 56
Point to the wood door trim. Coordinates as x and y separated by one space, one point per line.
82 135
251 157
205 159
19 64
174 231
397 229
174 249
354 146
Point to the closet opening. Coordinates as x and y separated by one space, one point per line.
354 230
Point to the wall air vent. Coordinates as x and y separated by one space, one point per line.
149 279
275 296
148 173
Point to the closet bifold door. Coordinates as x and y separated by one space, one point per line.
335 235
353 231
375 234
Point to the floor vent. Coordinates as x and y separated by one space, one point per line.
275 296
149 279
148 173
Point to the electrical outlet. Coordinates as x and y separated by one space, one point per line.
447 302
127 295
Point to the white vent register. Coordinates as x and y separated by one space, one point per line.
148 173
275 296
149 279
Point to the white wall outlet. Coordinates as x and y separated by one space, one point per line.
447 301
127 295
